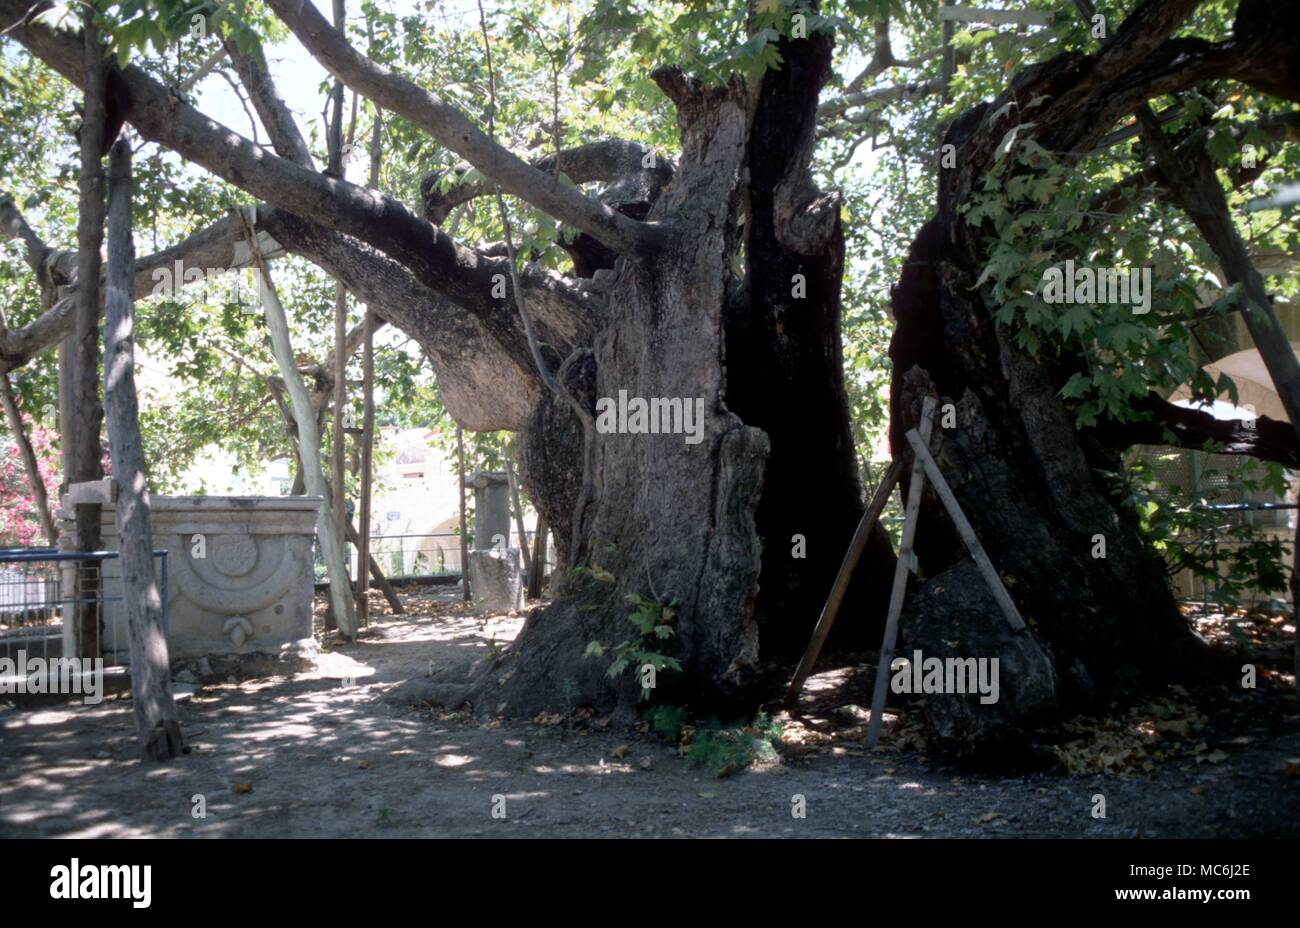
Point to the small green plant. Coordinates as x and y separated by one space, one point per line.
724 749
666 721
386 817
1224 548
597 573
653 621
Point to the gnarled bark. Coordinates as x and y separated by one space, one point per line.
1030 484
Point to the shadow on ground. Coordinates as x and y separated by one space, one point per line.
321 754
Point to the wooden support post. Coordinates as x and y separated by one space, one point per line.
367 463
464 544
967 533
538 573
364 560
901 570
340 397
381 581
335 168
519 517
156 723
86 414
841 585
948 64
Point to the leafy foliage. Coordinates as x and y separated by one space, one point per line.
20 524
654 623
723 749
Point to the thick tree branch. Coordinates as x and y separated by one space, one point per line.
36 251
882 57
450 127
1201 195
1142 32
485 371
214 248
1145 184
482 360
437 261
1181 427
460 275
614 161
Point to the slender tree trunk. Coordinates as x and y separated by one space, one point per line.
151 687
335 168
340 397
367 456
85 418
368 401
40 499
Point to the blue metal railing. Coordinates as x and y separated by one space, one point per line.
35 597
1212 541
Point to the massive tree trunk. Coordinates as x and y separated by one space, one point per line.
1101 627
784 369
721 286
705 530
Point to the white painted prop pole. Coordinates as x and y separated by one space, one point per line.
327 534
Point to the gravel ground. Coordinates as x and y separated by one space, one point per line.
319 753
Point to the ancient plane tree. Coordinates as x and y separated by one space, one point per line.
715 278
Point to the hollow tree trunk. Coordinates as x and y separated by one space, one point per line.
705 530
670 521
785 372
1101 627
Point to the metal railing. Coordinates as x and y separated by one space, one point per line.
43 590
405 556
1217 546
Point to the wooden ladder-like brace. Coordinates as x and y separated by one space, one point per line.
923 466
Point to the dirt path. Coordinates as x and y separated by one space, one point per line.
319 753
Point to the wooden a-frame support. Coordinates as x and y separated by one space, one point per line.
923 466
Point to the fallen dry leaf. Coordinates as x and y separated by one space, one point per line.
242 788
